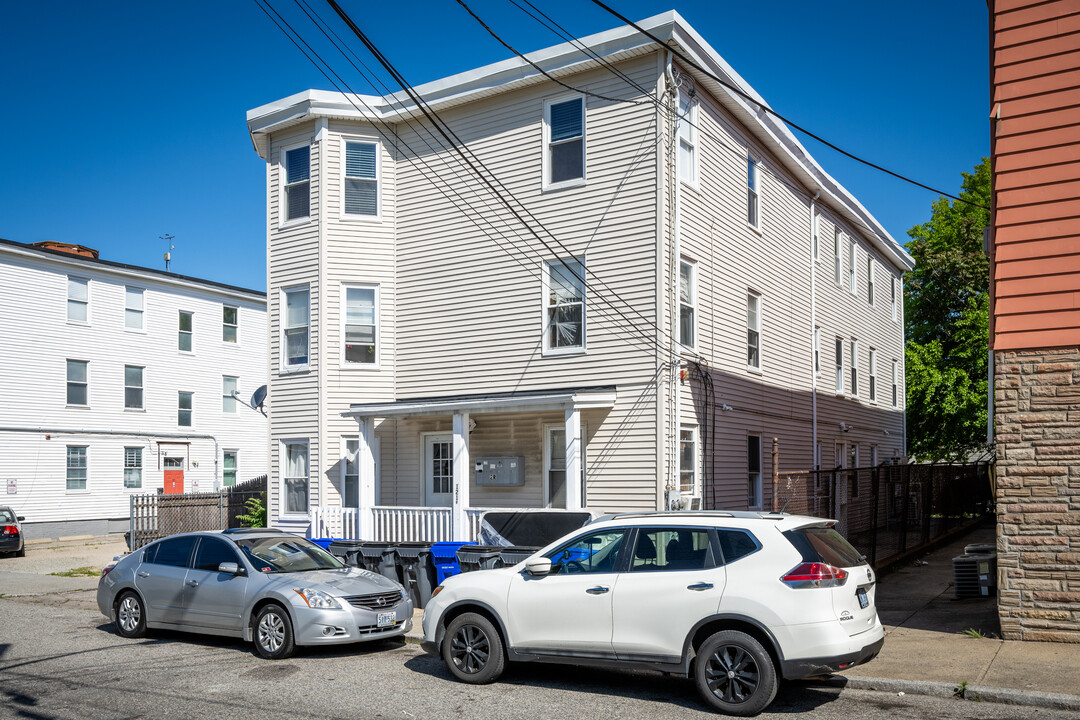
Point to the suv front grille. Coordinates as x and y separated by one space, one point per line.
376 601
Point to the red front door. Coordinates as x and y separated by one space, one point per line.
174 476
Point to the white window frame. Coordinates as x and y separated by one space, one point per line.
691 268
838 270
853 455
283 465
140 312
227 400
839 358
180 333
179 409
85 303
895 384
854 360
872 392
343 321
817 351
753 191
695 470
283 346
853 284
687 135
139 467
546 159
141 388
235 326
549 445
347 457
283 186
870 279
546 306
758 483
235 452
752 296
85 489
356 217
68 382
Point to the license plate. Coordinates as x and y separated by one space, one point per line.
389 618
864 601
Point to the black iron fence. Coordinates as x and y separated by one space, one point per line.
155 516
890 511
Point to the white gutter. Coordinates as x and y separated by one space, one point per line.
555 401
674 364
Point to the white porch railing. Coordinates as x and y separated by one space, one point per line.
395 524
335 522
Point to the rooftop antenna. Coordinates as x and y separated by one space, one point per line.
168 242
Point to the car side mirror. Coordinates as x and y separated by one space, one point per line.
538 566
230 568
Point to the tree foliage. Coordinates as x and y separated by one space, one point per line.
946 312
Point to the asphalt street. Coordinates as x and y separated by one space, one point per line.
59 658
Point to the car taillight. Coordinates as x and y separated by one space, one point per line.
105 570
814 575
11 530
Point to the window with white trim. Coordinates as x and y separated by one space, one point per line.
873 375
565 305
78 382
687 303
687 139
185 405
853 455
134 305
854 360
361 178
229 385
836 255
185 331
753 211
564 124
295 476
133 387
753 466
839 366
230 323
295 329
817 350
870 279
895 384
76 467
688 460
352 473
297 183
555 465
78 299
851 265
753 330
361 326
229 466
133 468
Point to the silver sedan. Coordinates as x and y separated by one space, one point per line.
277 589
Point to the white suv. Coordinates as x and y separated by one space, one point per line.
735 599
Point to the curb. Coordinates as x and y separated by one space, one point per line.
976 693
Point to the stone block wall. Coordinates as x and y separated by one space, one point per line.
1037 433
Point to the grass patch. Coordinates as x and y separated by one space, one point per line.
86 571
972 633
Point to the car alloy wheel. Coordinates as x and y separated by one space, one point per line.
130 618
271 632
732 674
472 649
735 674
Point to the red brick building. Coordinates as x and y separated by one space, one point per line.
1035 313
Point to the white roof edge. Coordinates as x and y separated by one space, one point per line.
580 399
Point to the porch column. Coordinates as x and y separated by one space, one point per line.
365 461
573 459
462 469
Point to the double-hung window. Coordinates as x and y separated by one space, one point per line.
873 375
753 211
228 468
753 330
229 385
851 265
296 476
895 386
361 179
78 299
230 323
133 387
134 304
297 183
133 468
753 466
295 328
687 139
854 368
185 331
836 255
361 326
565 152
184 408
687 303
565 299
78 383
352 473
839 366
76 467
688 460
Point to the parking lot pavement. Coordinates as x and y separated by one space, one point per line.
58 567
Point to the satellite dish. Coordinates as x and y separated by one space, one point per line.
258 397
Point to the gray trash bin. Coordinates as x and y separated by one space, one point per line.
479 557
379 557
348 551
417 570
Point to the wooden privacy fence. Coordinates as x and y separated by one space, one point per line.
156 516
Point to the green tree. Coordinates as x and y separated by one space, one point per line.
946 311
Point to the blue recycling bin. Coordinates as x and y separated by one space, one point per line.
444 556
324 543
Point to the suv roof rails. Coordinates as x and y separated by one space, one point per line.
238 531
741 514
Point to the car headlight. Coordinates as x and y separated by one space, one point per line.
318 599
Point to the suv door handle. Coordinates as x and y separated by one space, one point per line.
193 583
143 573
700 586
598 590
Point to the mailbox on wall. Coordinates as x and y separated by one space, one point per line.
499 471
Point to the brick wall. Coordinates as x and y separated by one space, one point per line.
1037 432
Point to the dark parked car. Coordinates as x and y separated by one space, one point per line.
11 536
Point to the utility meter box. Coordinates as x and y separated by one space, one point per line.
499 471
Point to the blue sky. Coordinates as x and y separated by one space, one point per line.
125 121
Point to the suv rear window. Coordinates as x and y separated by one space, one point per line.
823 544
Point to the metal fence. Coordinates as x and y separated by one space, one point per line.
155 516
890 511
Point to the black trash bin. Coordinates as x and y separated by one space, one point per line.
348 551
380 557
517 553
417 570
479 557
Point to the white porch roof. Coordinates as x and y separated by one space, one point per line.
587 398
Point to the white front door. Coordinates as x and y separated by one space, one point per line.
438 470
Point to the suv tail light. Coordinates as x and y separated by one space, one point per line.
814 575
11 530
105 570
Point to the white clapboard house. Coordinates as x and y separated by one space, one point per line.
117 381
636 280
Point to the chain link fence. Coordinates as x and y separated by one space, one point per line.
156 516
890 511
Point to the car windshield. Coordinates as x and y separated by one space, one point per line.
277 554
6 516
